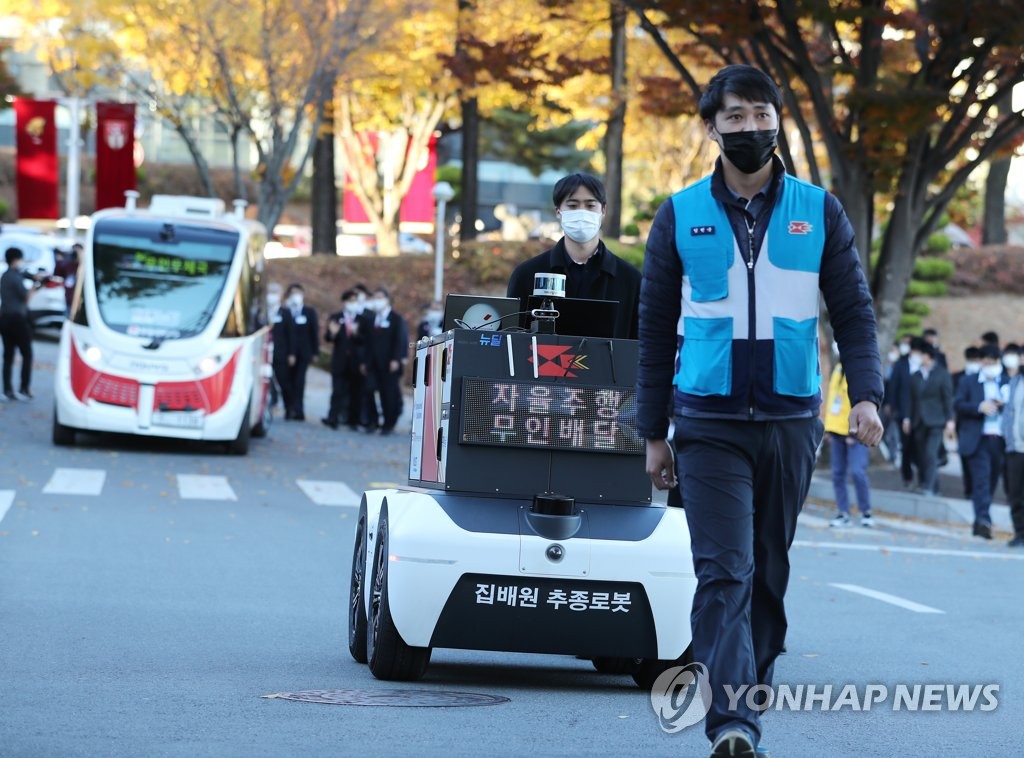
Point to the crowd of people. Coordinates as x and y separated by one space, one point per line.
981 407
369 348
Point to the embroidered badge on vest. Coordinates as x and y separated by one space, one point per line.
800 227
697 231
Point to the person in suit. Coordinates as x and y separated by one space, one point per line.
279 320
1013 434
972 365
346 356
898 396
931 411
979 404
386 346
303 346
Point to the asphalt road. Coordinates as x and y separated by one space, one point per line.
150 599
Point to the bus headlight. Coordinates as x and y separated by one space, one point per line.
93 354
209 364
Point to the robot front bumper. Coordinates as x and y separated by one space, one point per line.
498 574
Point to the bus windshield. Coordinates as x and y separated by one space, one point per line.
159 280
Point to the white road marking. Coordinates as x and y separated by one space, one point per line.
6 501
76 481
328 493
201 487
1017 556
885 597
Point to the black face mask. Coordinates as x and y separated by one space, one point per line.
749 151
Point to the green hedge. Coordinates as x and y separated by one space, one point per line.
933 269
926 289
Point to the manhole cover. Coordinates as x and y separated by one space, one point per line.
393 698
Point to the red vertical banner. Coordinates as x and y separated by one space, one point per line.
115 151
36 165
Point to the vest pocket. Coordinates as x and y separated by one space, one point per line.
708 271
796 357
705 363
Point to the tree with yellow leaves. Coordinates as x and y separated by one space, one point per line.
390 102
260 67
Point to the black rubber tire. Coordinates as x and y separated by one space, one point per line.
616 665
356 598
387 654
240 444
63 436
262 427
650 669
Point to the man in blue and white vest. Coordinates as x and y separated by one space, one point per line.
729 334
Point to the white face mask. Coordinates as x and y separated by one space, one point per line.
972 368
915 363
894 355
904 348
295 300
992 372
1011 361
353 308
379 304
581 226
273 300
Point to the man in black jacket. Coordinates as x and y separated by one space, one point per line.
735 266
303 342
15 328
386 347
979 403
346 357
931 411
592 271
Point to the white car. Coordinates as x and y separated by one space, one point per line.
410 243
47 304
366 244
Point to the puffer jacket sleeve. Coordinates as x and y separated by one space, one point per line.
848 299
660 304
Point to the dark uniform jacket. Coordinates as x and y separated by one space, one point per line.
303 334
931 399
970 393
346 351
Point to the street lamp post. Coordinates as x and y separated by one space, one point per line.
442 192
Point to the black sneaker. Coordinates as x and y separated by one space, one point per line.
1017 541
733 742
983 530
329 423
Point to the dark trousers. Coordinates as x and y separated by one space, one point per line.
985 463
744 483
1014 484
926 445
346 396
296 388
282 378
908 458
387 385
16 333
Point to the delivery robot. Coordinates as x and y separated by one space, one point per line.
528 525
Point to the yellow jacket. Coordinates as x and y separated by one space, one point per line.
837 408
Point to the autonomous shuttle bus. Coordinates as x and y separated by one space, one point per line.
166 335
